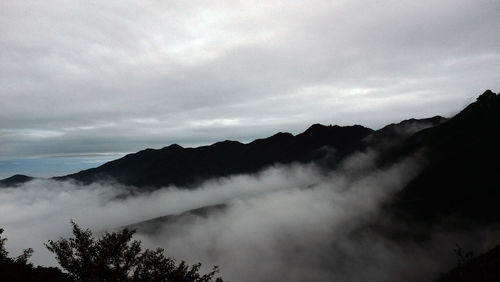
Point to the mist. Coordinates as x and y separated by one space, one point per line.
287 223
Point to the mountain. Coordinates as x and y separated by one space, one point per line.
154 225
394 134
460 179
456 191
175 165
15 180
483 268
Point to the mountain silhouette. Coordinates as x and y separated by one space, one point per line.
460 178
156 224
15 180
483 268
325 145
187 167
458 184
394 134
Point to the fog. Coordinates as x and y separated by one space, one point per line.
286 223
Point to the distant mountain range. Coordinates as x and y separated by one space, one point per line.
187 167
154 225
458 184
15 180
459 179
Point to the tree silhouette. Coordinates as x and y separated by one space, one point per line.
116 257
18 269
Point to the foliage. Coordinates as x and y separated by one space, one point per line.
463 257
3 252
18 268
4 255
113 257
116 257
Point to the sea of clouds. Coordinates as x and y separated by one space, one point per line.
287 223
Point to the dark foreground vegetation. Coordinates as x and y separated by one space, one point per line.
19 269
112 257
482 268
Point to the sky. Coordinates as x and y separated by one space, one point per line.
87 78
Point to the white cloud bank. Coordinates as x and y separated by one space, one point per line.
287 223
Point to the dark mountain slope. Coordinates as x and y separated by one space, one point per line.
394 134
175 165
483 268
461 176
167 221
15 180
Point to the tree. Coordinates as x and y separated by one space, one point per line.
116 257
18 269
3 252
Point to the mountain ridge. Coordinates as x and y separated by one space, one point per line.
313 135
462 161
175 165
15 180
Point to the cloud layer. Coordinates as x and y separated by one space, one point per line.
41 209
119 76
303 233
287 223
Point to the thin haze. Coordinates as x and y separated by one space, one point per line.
86 77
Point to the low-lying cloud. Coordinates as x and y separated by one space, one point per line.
40 210
287 223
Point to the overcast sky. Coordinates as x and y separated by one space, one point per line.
86 77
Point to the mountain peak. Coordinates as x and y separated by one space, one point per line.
487 98
15 180
316 127
282 135
488 94
173 147
174 165
484 110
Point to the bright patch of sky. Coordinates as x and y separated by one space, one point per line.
51 166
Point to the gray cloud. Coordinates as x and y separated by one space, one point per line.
78 77
303 234
41 209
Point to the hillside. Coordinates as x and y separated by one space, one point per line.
15 180
483 268
175 165
460 179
